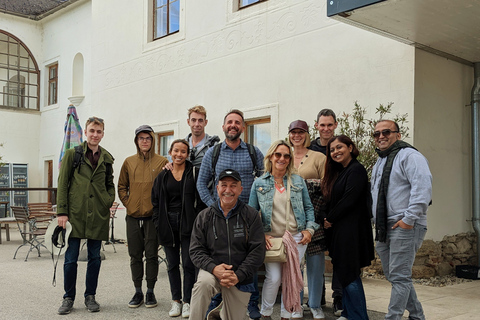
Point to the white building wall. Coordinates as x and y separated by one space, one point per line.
442 133
19 131
280 58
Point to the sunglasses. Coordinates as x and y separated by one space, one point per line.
93 119
285 156
386 133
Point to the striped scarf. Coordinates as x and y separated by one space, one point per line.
381 216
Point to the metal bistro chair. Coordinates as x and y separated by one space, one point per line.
31 235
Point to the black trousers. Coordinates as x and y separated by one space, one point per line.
142 239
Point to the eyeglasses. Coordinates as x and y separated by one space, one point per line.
145 138
285 156
386 133
298 132
93 119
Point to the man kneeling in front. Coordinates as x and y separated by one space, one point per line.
228 246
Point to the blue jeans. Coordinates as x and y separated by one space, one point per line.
70 267
397 255
315 270
354 303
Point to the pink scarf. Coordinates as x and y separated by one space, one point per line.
292 281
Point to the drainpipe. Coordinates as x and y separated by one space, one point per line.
476 155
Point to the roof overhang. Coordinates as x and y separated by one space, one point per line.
449 28
33 9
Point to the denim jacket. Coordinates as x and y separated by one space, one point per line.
261 198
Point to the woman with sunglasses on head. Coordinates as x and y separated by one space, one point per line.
310 165
348 226
176 204
287 212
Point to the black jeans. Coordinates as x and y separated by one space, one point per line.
181 246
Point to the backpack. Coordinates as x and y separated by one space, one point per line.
216 155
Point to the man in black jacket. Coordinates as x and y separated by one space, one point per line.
228 246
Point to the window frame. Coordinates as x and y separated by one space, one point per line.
240 7
53 80
154 24
22 95
161 135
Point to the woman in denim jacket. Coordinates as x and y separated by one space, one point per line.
269 195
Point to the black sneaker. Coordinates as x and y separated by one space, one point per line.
67 306
253 311
91 304
337 306
150 301
136 301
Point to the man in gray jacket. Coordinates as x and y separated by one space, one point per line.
401 192
199 140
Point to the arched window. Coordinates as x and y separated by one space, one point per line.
19 74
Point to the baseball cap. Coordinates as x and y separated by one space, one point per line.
143 128
298 124
229 173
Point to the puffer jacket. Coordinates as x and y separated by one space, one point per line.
88 196
136 180
238 241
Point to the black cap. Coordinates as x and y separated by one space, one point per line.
143 128
230 173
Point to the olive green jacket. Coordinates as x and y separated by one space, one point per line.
87 198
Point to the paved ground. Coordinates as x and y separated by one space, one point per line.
26 290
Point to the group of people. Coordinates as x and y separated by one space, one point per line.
220 206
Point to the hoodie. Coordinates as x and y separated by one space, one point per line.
136 180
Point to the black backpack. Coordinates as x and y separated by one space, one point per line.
216 155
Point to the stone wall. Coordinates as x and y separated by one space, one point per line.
439 258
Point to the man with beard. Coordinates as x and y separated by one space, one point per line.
233 154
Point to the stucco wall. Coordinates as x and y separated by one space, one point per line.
442 133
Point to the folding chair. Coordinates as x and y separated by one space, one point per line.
113 211
33 236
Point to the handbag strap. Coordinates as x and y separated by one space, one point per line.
289 206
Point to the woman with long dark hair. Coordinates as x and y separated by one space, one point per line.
349 231
176 204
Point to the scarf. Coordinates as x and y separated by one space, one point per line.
292 281
381 216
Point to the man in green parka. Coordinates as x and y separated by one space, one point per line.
85 194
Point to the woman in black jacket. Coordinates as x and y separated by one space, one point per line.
349 231
176 204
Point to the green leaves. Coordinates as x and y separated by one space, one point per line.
360 129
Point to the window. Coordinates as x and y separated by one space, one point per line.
165 139
258 133
166 17
245 3
19 74
52 84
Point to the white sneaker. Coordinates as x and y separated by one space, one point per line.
317 313
176 309
297 315
186 310
342 318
